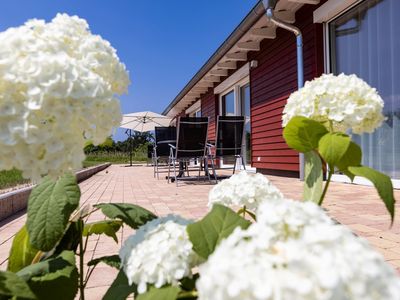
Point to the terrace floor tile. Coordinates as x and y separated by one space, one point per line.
357 206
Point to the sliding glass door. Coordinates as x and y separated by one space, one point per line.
366 41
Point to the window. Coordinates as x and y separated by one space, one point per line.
228 104
366 41
236 102
196 113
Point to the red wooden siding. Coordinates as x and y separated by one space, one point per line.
270 85
209 108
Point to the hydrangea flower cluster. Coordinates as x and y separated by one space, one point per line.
244 189
57 90
319 260
159 253
345 100
288 218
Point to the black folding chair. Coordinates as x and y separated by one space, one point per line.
164 136
191 145
229 140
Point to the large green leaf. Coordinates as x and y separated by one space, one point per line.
120 288
108 227
22 252
55 278
112 260
332 147
303 134
132 215
312 177
13 285
215 226
382 183
49 207
352 157
164 293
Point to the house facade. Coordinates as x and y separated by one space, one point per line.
254 71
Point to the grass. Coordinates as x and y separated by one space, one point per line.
90 163
11 178
116 157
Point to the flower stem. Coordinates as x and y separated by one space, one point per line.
81 253
330 126
331 170
244 211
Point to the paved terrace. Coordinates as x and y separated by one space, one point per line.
356 206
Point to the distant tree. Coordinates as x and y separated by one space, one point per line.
138 139
141 138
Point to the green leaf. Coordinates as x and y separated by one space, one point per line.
332 147
164 293
113 261
352 157
382 183
108 227
71 238
215 226
132 215
22 252
120 288
303 134
312 177
13 285
348 174
55 278
49 207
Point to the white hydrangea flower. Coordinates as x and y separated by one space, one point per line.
345 100
159 252
288 218
244 189
322 262
57 89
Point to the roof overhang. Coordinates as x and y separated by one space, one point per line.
246 37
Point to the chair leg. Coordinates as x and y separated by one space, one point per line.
176 179
244 165
234 165
187 167
154 166
169 168
213 169
158 171
200 167
205 159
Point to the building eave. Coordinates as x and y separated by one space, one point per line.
244 38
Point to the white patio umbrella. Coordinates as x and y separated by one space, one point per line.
144 121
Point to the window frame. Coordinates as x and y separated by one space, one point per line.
236 88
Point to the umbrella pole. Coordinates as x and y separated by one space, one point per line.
131 146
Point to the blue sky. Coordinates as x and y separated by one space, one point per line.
162 43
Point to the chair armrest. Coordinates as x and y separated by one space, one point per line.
210 145
171 146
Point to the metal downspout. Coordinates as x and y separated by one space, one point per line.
269 11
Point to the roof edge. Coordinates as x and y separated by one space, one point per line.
251 18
